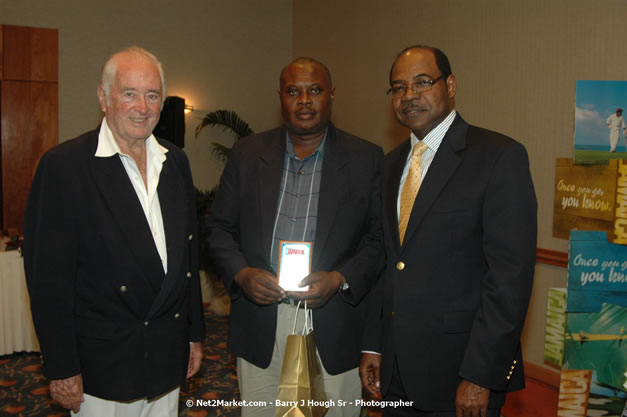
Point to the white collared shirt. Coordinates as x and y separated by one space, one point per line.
433 140
146 194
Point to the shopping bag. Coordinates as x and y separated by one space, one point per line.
301 388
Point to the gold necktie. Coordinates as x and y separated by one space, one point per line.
411 186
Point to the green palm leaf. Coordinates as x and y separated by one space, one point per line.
220 151
228 120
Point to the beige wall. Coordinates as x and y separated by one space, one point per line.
216 54
516 64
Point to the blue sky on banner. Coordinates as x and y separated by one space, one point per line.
595 102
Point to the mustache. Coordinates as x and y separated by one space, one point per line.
411 105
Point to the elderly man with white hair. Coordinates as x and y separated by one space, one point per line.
110 253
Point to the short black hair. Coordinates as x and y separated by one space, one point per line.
441 60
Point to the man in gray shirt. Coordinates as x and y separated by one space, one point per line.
307 181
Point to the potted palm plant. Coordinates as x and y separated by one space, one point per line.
229 121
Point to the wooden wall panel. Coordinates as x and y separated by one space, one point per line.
1 52
30 53
29 110
29 126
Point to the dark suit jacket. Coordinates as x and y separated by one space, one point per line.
102 305
347 239
454 296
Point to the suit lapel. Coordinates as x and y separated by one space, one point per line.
127 213
333 189
268 185
444 165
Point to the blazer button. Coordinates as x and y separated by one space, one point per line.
189 275
177 315
123 288
400 265
146 323
190 237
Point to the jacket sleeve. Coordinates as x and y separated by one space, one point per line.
509 246
363 267
50 263
223 225
373 328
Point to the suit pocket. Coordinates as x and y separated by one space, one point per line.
458 321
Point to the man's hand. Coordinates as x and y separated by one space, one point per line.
323 286
195 358
68 392
472 400
259 285
369 370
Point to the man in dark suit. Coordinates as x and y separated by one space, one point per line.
459 227
307 181
110 254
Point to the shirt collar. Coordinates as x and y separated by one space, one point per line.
289 146
107 146
436 135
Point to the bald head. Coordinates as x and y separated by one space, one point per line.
303 62
441 60
306 95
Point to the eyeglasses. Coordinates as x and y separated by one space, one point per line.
417 87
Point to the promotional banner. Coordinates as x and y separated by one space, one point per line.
574 393
597 272
591 197
600 133
597 341
555 327
593 380
594 370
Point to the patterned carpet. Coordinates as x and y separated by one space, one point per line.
24 390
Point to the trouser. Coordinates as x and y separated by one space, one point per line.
614 134
164 406
396 392
262 385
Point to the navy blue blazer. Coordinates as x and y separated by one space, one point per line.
453 297
102 305
347 240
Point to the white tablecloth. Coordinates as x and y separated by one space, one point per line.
16 323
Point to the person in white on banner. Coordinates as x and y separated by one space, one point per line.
111 258
616 122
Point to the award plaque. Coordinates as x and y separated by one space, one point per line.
294 264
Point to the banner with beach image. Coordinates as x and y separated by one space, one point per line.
599 122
